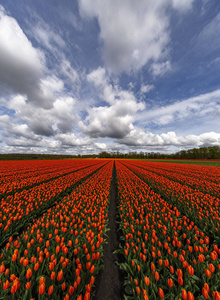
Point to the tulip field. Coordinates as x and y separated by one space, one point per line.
55 222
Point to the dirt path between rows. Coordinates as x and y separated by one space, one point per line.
109 283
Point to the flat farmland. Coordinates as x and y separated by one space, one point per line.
109 229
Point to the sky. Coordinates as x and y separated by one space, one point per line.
82 77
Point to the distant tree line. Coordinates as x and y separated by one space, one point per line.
195 153
27 156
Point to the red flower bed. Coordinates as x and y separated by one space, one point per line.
166 254
200 207
20 207
59 255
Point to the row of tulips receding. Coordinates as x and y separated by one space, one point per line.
60 253
166 255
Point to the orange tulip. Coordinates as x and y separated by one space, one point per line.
87 296
180 280
28 273
67 297
5 285
161 293
190 270
50 290
208 273
28 285
205 293
190 296
42 280
216 295
184 294
138 290
60 275
147 280
92 280
170 282
214 255
211 268
206 286
157 276
15 286
92 269
42 288
36 266
52 275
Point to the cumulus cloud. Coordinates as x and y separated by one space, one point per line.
70 139
115 119
38 105
138 33
138 137
22 69
101 146
47 122
133 32
98 77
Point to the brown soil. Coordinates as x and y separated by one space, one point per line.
109 283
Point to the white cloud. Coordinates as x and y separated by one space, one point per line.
70 139
137 137
23 68
133 32
60 118
114 120
101 146
63 112
4 119
109 121
159 69
39 104
98 77
146 88
51 86
45 36
21 65
182 5
197 107
68 71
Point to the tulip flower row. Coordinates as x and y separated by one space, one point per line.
18 209
210 174
166 256
59 254
201 208
206 180
22 174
